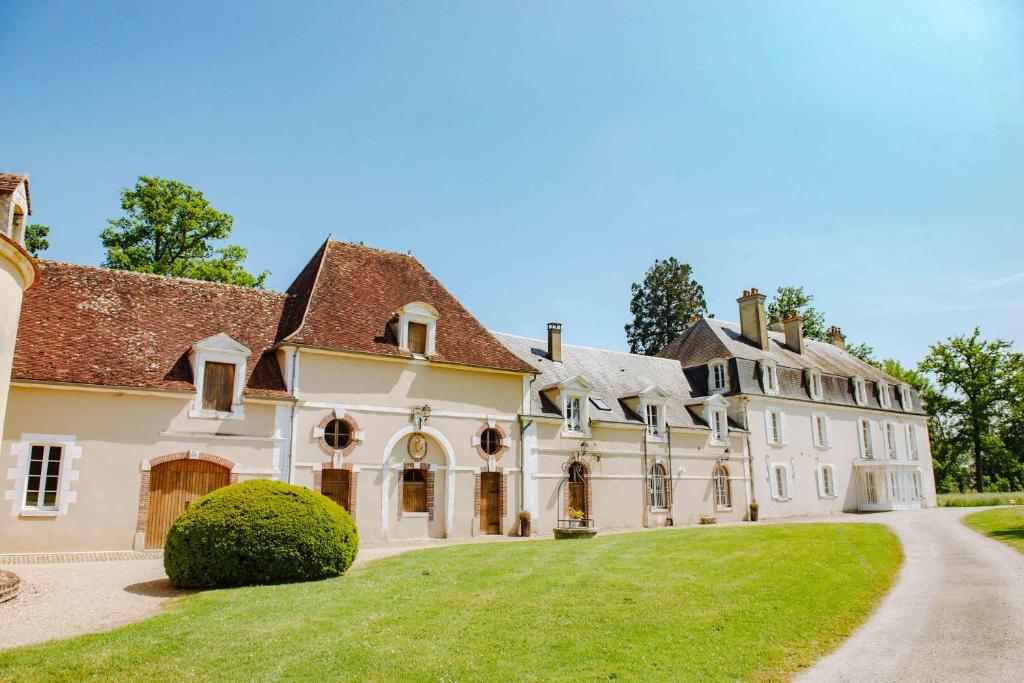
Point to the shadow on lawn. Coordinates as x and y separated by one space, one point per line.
157 588
1008 534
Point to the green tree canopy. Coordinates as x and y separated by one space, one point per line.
169 229
788 299
36 241
663 305
981 382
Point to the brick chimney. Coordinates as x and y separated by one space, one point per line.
836 338
753 322
793 326
555 342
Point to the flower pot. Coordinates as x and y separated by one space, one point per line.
753 513
574 523
524 528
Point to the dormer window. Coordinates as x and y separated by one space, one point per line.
717 418
719 429
573 416
884 398
218 369
769 377
417 328
573 397
653 419
906 397
860 392
718 372
650 405
814 384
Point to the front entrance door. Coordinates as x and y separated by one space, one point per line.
335 485
490 502
173 486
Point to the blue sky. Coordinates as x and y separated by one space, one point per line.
538 157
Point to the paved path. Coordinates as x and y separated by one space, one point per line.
956 612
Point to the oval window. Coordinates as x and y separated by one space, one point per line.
490 441
337 434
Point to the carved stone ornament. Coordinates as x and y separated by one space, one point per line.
417 447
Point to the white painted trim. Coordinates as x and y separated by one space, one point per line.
364 408
207 436
18 475
449 454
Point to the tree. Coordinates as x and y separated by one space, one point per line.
981 380
36 241
794 299
663 305
863 351
168 228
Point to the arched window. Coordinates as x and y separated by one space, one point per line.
657 486
723 492
414 491
578 488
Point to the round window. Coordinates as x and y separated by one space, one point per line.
490 441
337 434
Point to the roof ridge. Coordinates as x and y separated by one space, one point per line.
588 348
135 273
361 245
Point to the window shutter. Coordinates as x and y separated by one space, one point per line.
417 338
318 432
821 481
768 425
218 386
815 432
828 431
773 474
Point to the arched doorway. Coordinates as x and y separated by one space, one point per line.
577 489
435 480
173 486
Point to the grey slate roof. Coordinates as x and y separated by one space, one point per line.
709 339
613 376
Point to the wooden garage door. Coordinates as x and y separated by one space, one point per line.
172 487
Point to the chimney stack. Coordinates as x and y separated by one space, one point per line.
555 342
753 322
793 326
836 338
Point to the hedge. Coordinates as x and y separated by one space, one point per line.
258 532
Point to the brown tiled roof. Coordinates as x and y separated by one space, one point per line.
354 295
97 326
9 183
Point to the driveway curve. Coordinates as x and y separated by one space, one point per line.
956 612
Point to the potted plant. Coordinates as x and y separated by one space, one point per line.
753 512
524 523
575 517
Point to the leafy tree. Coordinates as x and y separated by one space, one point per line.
788 299
981 380
863 351
663 305
36 241
168 228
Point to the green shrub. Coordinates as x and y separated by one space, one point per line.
259 531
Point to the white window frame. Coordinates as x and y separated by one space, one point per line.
716 408
814 386
892 451
785 482
418 312
912 447
220 348
654 426
657 489
713 366
770 435
17 490
867 450
884 397
860 392
770 377
573 426
716 490
823 490
653 397
822 438
906 398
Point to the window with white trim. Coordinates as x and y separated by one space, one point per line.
860 391
781 482
719 426
723 491
769 377
719 373
917 485
826 481
912 442
906 397
890 441
775 426
884 398
573 414
821 430
218 370
864 437
814 388
42 483
657 486
417 328
653 418
870 488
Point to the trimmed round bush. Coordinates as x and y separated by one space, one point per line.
259 531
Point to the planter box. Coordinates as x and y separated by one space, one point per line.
575 532
708 519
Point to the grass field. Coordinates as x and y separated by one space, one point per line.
966 500
1002 524
733 603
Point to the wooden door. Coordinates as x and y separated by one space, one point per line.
173 486
490 502
335 485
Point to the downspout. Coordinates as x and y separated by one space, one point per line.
671 484
523 426
647 484
749 490
293 384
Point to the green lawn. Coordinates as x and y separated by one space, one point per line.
975 499
732 603
1002 524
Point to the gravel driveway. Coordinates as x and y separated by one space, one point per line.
956 612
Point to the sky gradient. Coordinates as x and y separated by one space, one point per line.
538 157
